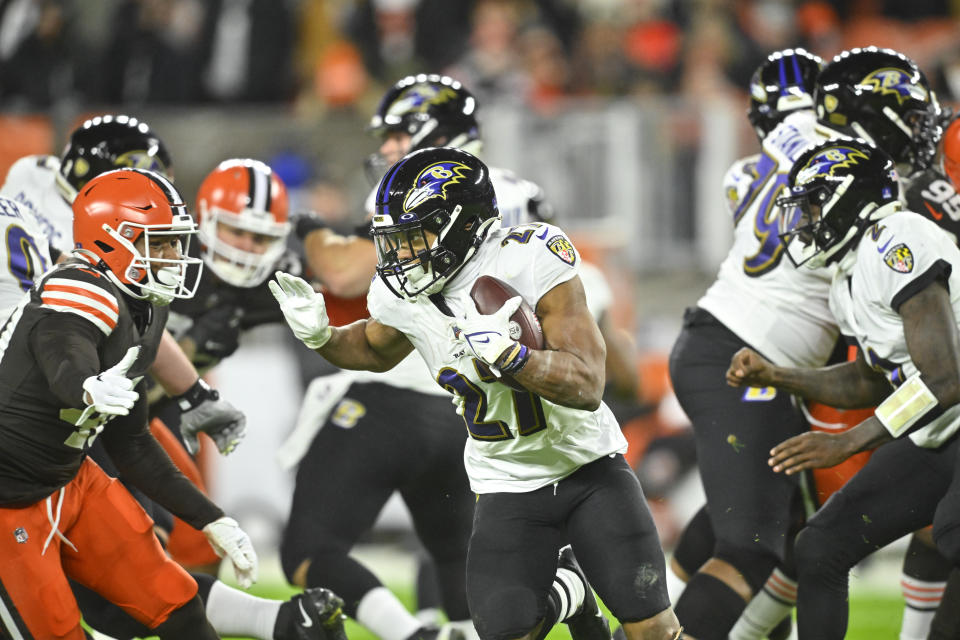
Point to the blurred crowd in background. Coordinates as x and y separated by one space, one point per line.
341 54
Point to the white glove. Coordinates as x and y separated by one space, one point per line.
203 410
228 539
303 308
111 392
488 337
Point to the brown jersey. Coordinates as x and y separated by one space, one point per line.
73 324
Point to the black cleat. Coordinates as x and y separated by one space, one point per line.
588 623
315 614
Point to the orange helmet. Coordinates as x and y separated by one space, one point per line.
242 212
114 211
951 152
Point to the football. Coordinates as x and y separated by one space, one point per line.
489 294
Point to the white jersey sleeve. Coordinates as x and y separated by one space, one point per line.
518 441
24 254
895 259
31 181
737 182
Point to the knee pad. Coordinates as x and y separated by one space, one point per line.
708 608
510 613
821 560
696 543
753 566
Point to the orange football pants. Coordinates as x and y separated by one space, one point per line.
112 549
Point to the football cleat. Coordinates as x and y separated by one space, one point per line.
315 614
588 623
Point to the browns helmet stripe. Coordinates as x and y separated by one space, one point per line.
260 197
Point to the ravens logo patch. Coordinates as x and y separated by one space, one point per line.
899 258
563 249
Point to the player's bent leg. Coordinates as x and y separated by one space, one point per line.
512 563
187 622
115 532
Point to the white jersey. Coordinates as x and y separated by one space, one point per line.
776 308
898 256
31 182
24 254
519 441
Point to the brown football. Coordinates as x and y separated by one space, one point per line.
489 294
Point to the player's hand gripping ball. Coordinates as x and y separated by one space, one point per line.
489 294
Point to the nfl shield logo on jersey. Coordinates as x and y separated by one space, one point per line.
899 258
21 535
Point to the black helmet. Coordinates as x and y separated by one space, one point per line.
881 95
783 83
435 110
109 142
443 191
838 188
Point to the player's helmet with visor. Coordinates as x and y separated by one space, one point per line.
117 209
838 189
433 210
882 96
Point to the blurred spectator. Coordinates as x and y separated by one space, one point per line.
545 64
151 57
246 50
402 37
492 66
38 58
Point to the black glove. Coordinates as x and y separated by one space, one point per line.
306 221
203 410
216 333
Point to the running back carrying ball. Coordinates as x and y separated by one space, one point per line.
489 294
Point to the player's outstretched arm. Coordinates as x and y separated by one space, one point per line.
570 371
849 385
364 344
930 330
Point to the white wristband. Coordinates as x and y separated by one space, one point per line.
902 408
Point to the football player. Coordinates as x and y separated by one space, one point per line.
75 351
546 464
761 300
46 185
894 289
42 188
349 415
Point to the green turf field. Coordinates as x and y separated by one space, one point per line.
875 602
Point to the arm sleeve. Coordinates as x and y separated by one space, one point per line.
65 347
143 463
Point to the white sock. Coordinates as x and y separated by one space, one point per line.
570 592
233 612
771 605
922 599
431 616
385 616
